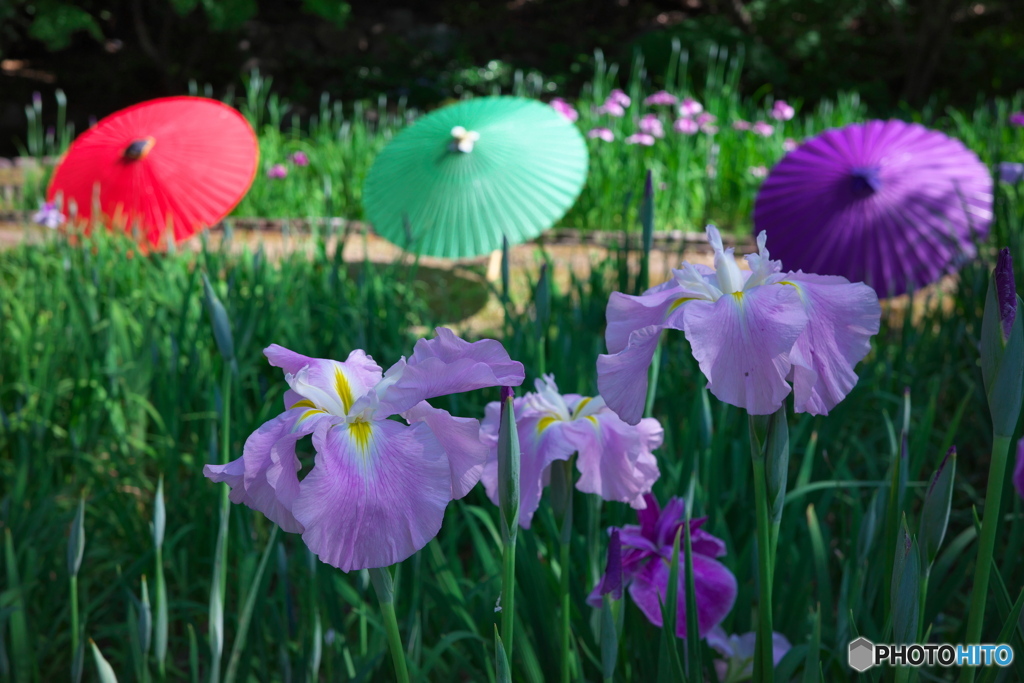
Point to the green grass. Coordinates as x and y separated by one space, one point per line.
701 178
110 378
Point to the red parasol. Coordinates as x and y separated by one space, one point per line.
178 163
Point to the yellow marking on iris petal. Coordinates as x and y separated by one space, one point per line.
545 422
304 403
341 385
310 413
679 302
593 419
360 431
738 296
787 282
580 406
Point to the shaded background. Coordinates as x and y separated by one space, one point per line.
107 54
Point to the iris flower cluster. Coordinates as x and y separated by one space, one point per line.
379 487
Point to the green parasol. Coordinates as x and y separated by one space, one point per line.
465 176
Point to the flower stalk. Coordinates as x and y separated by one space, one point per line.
384 587
1002 367
508 503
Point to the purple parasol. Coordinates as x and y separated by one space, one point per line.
889 203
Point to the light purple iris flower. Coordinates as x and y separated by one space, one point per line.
640 139
691 107
49 215
379 487
605 134
1017 119
740 124
646 556
738 651
564 108
662 97
763 128
615 459
789 144
781 111
650 124
278 171
686 126
1011 172
299 158
751 332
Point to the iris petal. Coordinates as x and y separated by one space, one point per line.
446 365
268 458
842 318
714 585
460 439
539 448
615 459
742 343
375 495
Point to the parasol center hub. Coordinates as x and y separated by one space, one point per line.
138 149
463 140
865 181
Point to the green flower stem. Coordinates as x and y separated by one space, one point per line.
225 457
74 616
766 668
563 578
989 528
508 589
381 578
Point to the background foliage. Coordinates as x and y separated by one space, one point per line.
107 54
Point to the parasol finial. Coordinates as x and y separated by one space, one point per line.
138 149
463 140
865 180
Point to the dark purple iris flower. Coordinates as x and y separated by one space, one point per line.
646 553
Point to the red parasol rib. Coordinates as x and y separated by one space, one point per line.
178 162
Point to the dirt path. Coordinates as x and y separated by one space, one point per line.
462 287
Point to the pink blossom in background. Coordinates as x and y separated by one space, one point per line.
640 139
789 144
299 159
278 171
651 124
708 128
662 97
690 107
740 124
763 128
705 117
564 108
758 171
618 97
686 126
781 111
1017 119
601 133
611 109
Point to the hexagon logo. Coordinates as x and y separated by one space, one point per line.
862 655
